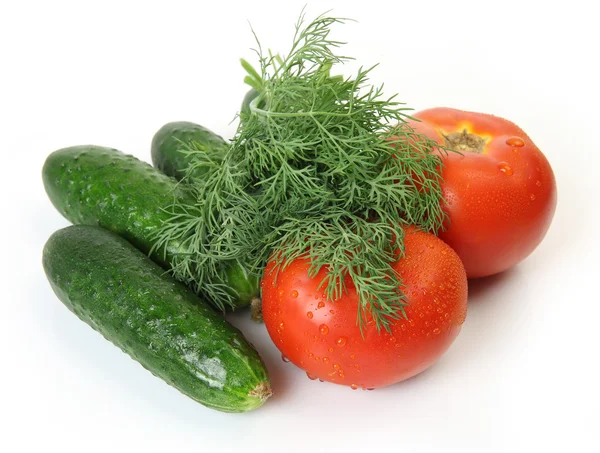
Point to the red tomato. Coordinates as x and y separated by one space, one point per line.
322 337
500 194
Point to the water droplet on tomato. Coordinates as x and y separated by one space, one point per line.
281 325
325 359
284 358
332 312
323 329
310 355
436 331
321 304
354 387
281 292
538 183
515 141
336 366
341 341
310 376
294 294
309 314
505 168
330 349
532 197
352 357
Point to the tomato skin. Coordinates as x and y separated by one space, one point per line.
501 202
322 337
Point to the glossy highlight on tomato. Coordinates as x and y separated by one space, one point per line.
500 192
322 337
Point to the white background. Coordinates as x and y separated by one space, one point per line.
521 376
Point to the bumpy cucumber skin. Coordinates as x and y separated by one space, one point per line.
93 185
129 299
166 147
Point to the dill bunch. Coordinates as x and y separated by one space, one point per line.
315 170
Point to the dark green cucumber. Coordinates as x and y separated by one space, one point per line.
93 185
130 300
248 98
167 153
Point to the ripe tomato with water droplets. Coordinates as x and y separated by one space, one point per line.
323 338
500 192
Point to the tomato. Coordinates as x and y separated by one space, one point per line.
323 338
500 193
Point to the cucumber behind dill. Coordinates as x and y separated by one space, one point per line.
129 299
169 156
93 185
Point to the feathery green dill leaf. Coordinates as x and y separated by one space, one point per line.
316 170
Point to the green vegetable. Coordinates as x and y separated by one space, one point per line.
92 185
316 170
130 300
169 156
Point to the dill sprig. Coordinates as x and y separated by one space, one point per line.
321 167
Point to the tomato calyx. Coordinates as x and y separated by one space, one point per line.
464 141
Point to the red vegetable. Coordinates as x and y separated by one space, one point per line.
323 338
501 193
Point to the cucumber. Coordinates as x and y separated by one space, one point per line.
248 98
93 185
167 145
129 299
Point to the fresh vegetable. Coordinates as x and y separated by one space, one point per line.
322 337
130 300
169 156
311 173
500 192
93 185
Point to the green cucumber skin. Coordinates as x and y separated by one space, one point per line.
129 299
94 185
166 146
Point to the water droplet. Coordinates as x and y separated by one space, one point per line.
532 197
281 292
505 168
336 366
321 304
515 141
325 359
352 357
332 312
323 329
281 325
538 183
354 386
284 358
294 294
436 331
310 376
311 355
309 314
341 341
330 349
